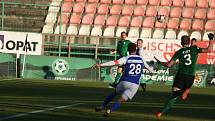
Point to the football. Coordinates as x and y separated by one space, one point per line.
161 18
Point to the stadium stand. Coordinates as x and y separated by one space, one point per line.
192 17
22 15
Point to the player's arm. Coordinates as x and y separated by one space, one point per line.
210 46
169 63
151 69
120 61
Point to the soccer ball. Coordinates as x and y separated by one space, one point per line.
161 18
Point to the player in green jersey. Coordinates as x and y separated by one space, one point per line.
122 51
187 57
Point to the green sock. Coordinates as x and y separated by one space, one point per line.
118 75
169 104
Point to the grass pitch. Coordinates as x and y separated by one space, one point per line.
51 100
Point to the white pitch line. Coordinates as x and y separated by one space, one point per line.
39 111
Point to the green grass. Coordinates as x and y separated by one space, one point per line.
24 96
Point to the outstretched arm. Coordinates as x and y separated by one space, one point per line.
166 64
210 46
112 63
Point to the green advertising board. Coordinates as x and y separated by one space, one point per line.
204 73
59 68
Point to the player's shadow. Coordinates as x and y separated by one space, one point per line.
48 73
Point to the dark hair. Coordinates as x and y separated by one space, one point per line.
132 48
124 33
193 39
140 40
185 40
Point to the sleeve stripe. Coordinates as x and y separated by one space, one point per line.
116 62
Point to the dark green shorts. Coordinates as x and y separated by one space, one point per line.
183 81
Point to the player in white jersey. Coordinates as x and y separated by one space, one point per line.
129 81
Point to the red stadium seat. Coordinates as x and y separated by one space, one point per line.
166 2
154 2
200 13
130 2
105 1
99 20
198 25
123 21
185 24
210 25
211 14
91 9
151 11
178 3
202 3
127 10
188 12
115 10
160 25
190 3
78 8
163 11
81 0
212 4
103 9
112 21
87 19
118 1
63 19
173 23
139 11
67 7
93 1
142 2
175 12
75 19
148 22
136 22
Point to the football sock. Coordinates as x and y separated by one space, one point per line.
168 104
108 99
118 75
115 106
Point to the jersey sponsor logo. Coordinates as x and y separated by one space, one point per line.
135 61
60 67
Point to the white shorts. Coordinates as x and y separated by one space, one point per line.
127 89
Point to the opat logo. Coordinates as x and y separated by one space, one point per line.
60 67
1 41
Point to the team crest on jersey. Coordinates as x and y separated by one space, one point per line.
60 67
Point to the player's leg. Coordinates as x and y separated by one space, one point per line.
115 106
143 85
188 84
117 77
176 92
130 90
107 100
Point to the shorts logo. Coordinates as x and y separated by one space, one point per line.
1 41
60 67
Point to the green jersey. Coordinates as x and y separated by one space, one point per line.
187 57
122 47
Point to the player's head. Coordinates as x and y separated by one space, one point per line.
139 43
124 35
193 40
185 40
132 48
